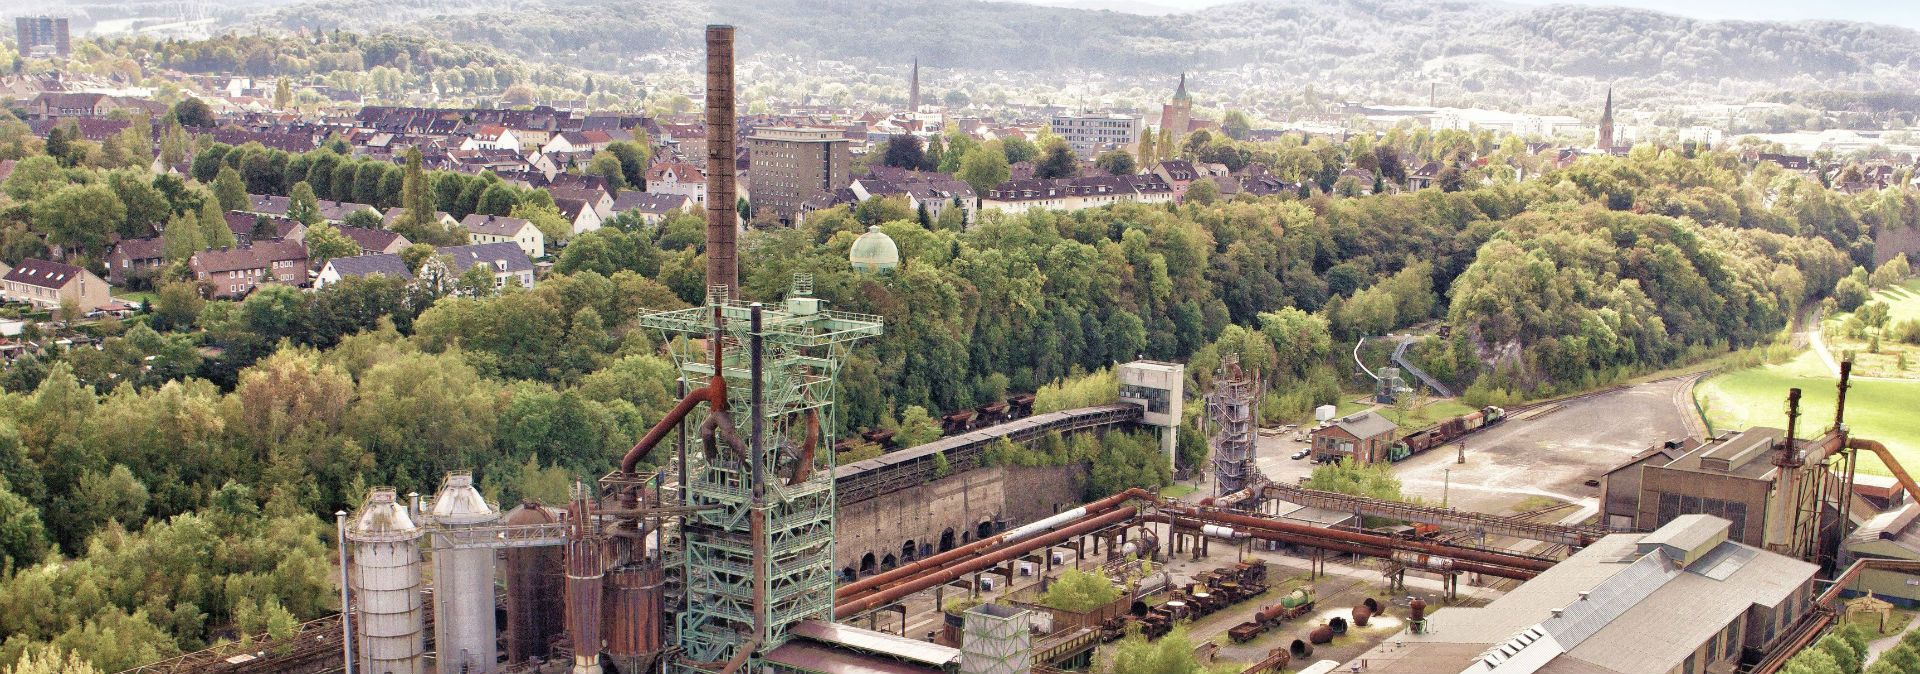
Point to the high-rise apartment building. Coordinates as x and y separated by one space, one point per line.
793 164
42 35
1091 134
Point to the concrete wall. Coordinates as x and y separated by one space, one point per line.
999 496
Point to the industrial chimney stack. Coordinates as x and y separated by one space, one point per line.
723 265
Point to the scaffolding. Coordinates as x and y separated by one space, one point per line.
1230 407
756 549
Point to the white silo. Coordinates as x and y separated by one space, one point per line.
465 639
386 586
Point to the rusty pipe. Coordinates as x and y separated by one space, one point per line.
1363 549
851 590
667 423
1893 466
1459 553
989 560
804 465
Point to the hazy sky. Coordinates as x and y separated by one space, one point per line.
1899 12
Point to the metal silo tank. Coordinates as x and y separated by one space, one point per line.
536 588
632 630
465 636
386 585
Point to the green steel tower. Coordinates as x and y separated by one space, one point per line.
757 542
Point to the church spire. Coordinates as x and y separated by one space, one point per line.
1180 93
1603 140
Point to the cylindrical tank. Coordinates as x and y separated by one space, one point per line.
1302 649
1373 606
386 586
633 616
465 635
1321 635
1417 611
1338 625
536 589
1361 614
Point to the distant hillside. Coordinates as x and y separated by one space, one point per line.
1478 45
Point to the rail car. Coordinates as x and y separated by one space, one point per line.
1444 432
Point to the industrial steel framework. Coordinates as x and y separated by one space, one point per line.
1230 407
757 543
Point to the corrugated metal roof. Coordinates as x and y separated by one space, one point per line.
812 657
877 642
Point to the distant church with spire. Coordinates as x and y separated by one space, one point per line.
1176 115
1603 141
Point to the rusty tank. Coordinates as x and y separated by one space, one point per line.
1362 614
1417 611
536 596
1321 635
1302 649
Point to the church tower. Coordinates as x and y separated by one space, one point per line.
1604 140
913 87
1177 115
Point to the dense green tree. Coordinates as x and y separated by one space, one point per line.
230 191
983 169
1057 161
1117 162
78 218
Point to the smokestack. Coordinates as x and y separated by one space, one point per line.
723 264
913 88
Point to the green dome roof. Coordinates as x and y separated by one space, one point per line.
874 251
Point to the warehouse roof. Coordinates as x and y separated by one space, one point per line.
1611 607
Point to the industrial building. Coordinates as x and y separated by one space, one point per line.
1684 598
41 36
1365 437
793 164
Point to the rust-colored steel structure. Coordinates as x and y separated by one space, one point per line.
633 613
1328 538
723 222
586 579
536 588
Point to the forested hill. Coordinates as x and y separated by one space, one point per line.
1474 44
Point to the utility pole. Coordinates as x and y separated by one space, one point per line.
1446 485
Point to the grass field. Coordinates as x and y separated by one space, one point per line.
1426 415
1887 411
1903 303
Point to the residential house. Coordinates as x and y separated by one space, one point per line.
1177 173
1428 175
134 258
509 264
394 214
377 264
652 207
498 228
244 225
48 284
671 177
376 240
579 214
578 141
1071 194
597 197
1362 178
235 272
492 137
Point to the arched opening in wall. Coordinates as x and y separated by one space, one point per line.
867 565
946 539
888 562
966 537
847 574
984 530
908 551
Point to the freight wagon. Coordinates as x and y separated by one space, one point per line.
1444 432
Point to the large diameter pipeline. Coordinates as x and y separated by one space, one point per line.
1314 540
1459 553
849 591
948 574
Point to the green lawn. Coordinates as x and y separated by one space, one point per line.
1903 303
1428 414
1880 410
